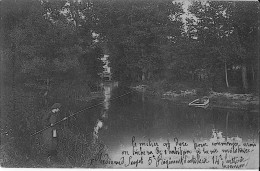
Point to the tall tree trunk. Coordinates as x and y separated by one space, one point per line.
253 74
1 72
47 91
244 78
143 76
149 75
226 75
13 80
144 69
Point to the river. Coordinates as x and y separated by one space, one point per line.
146 118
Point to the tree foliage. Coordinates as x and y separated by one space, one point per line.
146 39
227 32
135 32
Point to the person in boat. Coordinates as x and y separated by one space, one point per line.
50 135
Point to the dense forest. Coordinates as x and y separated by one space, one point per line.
51 50
146 40
151 41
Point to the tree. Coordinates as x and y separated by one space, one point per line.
136 30
43 47
13 13
91 64
219 27
245 23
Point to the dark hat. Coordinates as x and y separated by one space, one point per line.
56 105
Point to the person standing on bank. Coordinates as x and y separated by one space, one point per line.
50 134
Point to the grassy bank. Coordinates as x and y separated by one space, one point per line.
185 92
22 110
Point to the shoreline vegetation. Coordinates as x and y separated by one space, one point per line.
19 149
182 93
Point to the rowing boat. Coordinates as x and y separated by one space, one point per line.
201 102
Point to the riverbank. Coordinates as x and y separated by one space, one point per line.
183 94
22 116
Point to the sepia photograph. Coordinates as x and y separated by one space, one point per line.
129 84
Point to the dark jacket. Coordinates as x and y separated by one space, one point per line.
50 118
48 140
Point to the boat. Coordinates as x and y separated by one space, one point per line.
201 102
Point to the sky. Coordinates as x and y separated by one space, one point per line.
186 14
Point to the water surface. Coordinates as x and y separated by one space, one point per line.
150 118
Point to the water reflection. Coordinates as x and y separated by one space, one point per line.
107 91
218 137
148 117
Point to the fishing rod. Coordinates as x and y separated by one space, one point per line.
73 114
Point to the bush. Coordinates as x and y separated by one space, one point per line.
21 116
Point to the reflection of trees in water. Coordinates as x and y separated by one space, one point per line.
107 90
145 115
180 120
235 123
217 136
